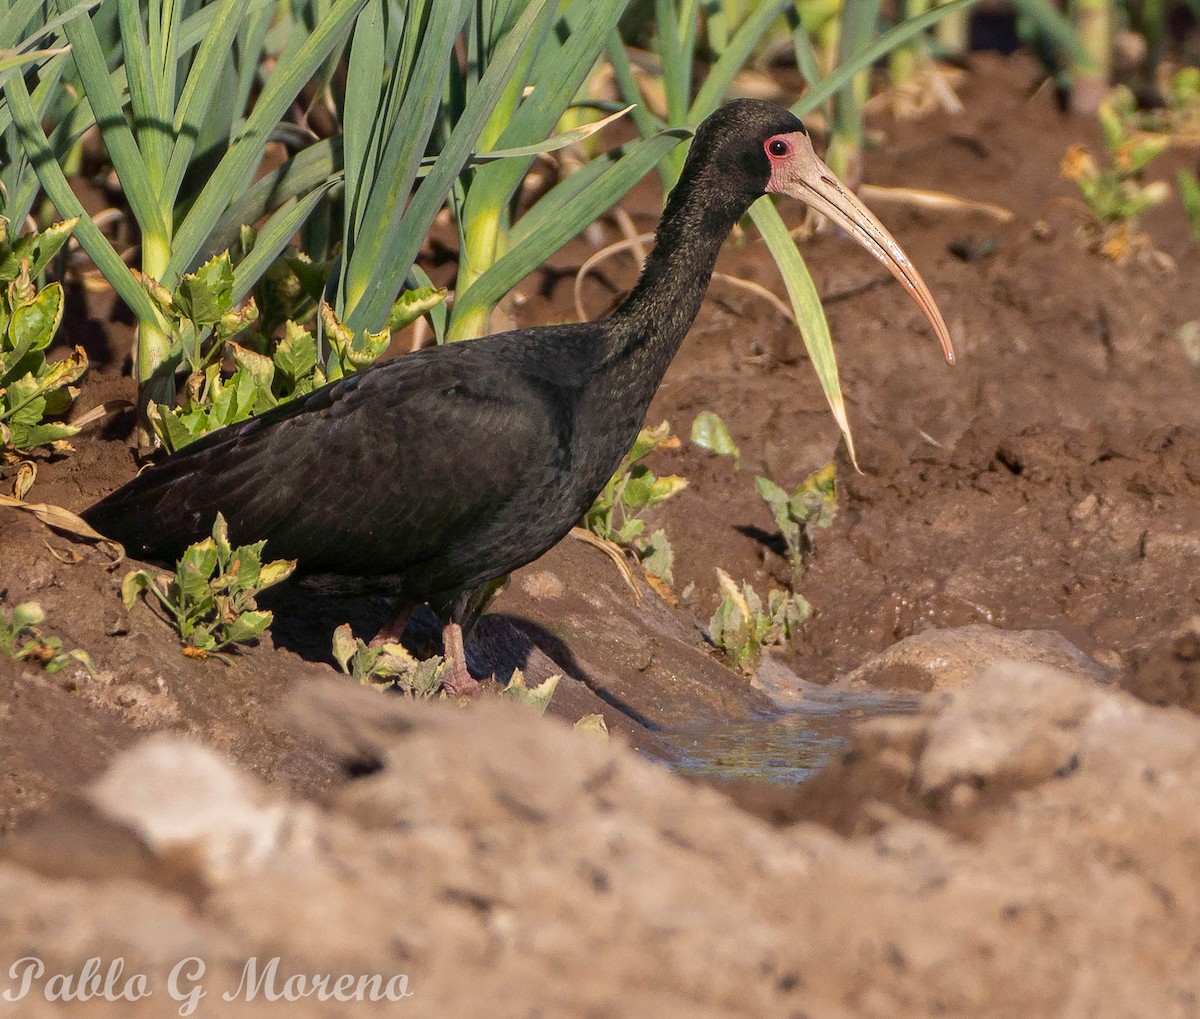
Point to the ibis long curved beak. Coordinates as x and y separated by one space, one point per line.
799 174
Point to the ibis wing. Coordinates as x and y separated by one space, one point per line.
366 476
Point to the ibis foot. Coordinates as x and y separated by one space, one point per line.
460 683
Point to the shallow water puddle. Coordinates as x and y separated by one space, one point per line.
786 748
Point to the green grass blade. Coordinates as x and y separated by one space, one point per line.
618 58
569 64
199 90
406 228
110 116
806 57
675 29
1051 23
377 196
552 225
252 37
733 59
273 238
365 73
234 172
887 42
313 167
144 101
551 144
806 305
35 144
11 63
14 21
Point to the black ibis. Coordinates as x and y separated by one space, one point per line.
431 474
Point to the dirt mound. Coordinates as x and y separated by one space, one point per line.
1037 864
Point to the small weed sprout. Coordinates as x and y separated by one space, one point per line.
33 391
536 697
21 639
392 669
593 726
211 596
812 505
1114 194
388 667
741 628
710 432
615 515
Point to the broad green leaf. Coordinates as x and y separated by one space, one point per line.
259 367
658 557
296 354
207 294
537 697
592 725
27 614
135 582
195 569
48 242
274 572
710 432
412 304
247 626
344 646
33 326
27 437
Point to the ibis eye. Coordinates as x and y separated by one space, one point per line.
778 147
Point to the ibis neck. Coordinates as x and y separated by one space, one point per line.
649 326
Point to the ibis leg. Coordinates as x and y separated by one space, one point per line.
459 683
393 629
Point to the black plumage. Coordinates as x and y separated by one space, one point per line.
428 475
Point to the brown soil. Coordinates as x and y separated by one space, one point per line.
1048 482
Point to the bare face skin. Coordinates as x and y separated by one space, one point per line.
797 172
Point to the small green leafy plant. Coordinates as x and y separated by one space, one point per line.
211 596
388 667
1114 194
32 390
741 628
615 515
21 639
279 360
537 697
391 668
812 505
1179 114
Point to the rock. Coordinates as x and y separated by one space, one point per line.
1170 673
1018 725
945 659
